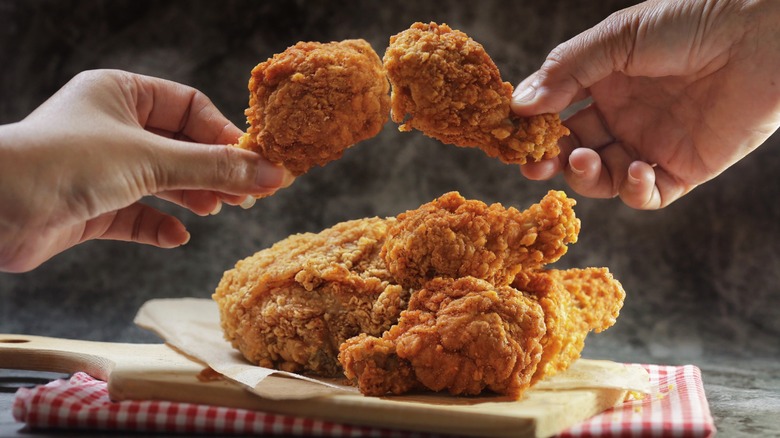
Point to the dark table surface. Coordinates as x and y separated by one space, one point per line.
702 276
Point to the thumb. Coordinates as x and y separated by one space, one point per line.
572 67
220 168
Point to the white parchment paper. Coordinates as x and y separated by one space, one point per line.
191 325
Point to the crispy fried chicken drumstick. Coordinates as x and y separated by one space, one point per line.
462 336
454 237
291 306
314 100
445 85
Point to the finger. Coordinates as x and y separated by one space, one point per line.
585 173
669 188
541 170
225 169
233 199
638 189
526 102
138 223
574 66
167 106
589 128
200 202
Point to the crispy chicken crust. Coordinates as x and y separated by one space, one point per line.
291 306
575 302
449 297
462 336
445 85
452 337
454 237
314 100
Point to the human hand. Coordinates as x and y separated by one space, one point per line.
681 90
76 168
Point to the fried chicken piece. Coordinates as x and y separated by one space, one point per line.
314 100
454 237
454 335
459 335
445 85
575 302
290 306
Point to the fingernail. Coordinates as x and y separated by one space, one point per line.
187 239
216 209
269 175
273 176
248 202
575 170
632 178
287 179
524 95
526 90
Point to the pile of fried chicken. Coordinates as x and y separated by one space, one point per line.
453 296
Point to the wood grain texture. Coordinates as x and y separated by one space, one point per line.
158 372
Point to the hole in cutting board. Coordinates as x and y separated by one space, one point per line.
13 341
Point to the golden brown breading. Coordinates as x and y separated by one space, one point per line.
291 306
374 367
454 237
575 302
343 298
314 100
463 336
445 85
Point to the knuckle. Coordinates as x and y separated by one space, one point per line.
231 167
557 56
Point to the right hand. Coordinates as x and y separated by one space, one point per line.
681 90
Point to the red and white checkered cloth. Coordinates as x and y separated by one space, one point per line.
677 408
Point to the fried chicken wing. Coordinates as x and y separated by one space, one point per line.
459 335
445 85
291 306
314 100
454 237
575 302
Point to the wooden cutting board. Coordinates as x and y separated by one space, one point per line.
158 372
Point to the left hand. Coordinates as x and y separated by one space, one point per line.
76 168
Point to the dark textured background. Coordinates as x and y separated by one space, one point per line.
701 276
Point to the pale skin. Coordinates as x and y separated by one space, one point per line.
78 166
680 89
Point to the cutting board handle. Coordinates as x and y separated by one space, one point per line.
39 353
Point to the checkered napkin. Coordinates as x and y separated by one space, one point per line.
677 407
